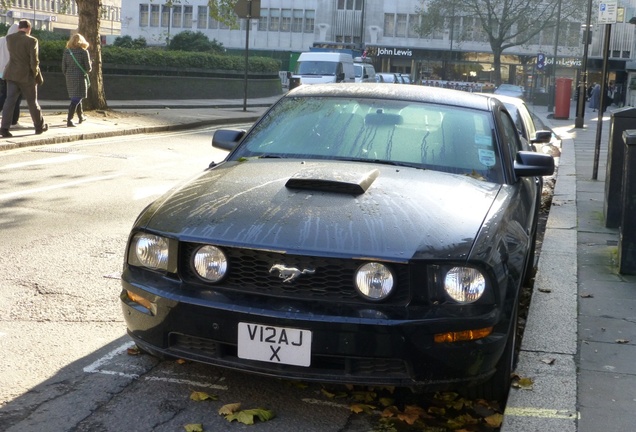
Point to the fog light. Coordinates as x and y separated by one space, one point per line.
139 299
462 336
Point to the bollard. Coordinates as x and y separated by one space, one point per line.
621 120
627 233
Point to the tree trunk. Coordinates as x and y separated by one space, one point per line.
89 24
496 60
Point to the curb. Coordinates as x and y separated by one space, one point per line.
549 345
61 139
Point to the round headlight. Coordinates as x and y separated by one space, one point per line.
151 251
464 284
210 263
374 281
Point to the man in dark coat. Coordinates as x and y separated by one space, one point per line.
22 76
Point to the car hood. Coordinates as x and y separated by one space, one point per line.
348 209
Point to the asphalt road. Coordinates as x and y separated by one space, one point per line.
66 211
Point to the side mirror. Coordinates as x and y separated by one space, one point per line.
227 139
541 137
530 164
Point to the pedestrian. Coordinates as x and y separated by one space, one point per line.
76 64
23 76
4 60
595 97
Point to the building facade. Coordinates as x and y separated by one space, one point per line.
388 32
56 16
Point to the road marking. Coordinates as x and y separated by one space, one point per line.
541 413
58 186
325 403
47 161
97 367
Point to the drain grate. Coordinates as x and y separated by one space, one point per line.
54 150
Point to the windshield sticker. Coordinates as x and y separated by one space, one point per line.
487 157
485 140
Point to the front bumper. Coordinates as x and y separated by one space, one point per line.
363 347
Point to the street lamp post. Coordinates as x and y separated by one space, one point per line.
168 6
554 60
580 103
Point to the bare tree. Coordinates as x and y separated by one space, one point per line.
505 23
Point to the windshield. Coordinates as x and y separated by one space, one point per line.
430 136
317 68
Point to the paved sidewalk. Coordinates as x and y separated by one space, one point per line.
132 117
579 345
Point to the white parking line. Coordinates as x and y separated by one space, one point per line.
325 403
98 367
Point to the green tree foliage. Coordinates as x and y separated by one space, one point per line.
129 42
195 41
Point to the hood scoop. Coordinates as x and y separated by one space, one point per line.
328 180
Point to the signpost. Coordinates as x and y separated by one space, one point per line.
607 12
247 9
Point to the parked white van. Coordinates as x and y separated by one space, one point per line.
365 72
324 67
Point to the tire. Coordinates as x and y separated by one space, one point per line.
498 386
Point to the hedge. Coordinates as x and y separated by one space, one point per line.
51 51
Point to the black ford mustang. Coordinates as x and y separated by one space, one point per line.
358 233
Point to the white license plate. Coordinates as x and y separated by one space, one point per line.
274 344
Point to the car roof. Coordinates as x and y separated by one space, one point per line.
435 95
509 99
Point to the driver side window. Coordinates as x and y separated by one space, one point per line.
510 135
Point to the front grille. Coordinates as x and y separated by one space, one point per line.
332 279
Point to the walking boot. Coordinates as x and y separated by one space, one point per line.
69 118
80 113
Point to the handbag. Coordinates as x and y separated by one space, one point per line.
87 80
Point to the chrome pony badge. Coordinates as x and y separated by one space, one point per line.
288 274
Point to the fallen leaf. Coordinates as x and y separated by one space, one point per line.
408 418
436 411
133 351
181 361
194 427
248 416
587 295
548 361
364 396
523 383
391 411
494 420
331 395
201 396
359 407
229 408
545 290
622 341
414 409
386 401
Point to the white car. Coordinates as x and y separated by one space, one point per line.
529 130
